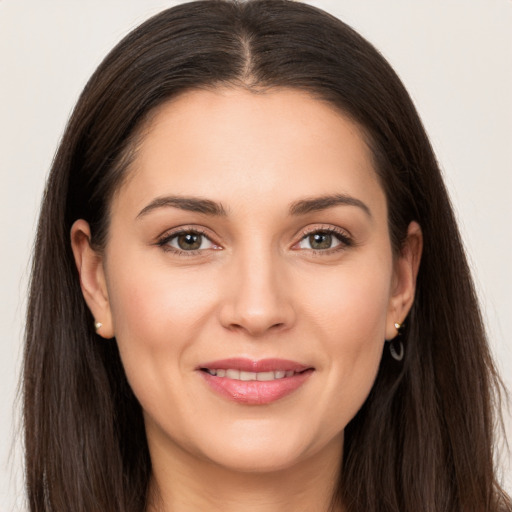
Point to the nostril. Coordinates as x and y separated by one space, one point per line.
255 318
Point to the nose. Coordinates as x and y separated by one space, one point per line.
259 296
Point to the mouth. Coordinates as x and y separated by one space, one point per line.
255 382
232 373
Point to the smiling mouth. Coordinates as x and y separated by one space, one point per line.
235 374
249 382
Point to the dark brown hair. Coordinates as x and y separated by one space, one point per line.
423 440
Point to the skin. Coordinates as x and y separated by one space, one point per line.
256 288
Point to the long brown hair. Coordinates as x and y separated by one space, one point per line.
423 440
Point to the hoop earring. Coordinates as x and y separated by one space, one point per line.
397 355
396 347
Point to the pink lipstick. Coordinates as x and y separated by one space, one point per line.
255 382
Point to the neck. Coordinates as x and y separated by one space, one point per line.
183 483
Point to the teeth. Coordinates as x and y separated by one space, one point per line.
246 376
267 375
233 374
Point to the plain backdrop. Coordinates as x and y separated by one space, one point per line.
455 58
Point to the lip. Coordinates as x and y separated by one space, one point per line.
248 365
255 392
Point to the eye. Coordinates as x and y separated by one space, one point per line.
324 240
186 241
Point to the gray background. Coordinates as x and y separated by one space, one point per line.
455 58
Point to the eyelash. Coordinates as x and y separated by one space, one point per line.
167 237
344 239
342 236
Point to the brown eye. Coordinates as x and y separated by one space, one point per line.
323 240
189 241
320 240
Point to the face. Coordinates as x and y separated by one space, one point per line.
248 277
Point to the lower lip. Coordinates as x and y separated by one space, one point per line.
256 392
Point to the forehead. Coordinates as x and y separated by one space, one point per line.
233 145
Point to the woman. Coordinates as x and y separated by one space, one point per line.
249 291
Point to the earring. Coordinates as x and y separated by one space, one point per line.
97 325
397 355
396 347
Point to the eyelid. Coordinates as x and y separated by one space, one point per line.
343 236
163 240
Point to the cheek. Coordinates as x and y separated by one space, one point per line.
349 319
156 299
157 314
350 303
357 333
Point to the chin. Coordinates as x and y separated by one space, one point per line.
253 452
257 460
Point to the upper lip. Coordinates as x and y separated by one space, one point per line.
249 365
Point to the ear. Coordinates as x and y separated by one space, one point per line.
404 279
92 277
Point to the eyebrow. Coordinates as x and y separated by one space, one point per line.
316 204
190 204
209 207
